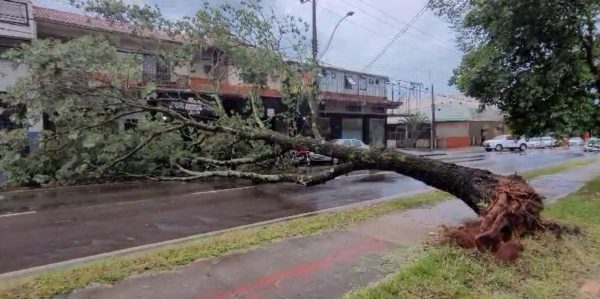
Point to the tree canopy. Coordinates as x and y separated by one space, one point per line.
534 59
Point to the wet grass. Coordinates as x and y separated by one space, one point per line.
560 167
47 285
548 268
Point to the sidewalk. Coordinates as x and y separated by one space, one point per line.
319 266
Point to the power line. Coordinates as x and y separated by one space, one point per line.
348 20
422 33
395 18
360 25
397 36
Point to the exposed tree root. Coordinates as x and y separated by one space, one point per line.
513 211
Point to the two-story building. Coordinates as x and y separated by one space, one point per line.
353 104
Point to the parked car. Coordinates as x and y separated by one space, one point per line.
576 141
592 145
547 141
303 155
351 142
541 142
502 142
534 142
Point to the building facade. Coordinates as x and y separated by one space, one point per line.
352 104
459 123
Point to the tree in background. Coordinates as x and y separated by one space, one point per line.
534 59
415 125
80 86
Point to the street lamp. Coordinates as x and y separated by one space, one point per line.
315 48
348 14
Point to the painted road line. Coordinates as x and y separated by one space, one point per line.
222 190
17 214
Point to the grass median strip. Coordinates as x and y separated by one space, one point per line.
556 168
112 270
548 268
47 285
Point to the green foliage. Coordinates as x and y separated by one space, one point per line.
103 119
534 59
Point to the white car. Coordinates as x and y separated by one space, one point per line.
534 142
593 145
547 141
576 141
351 143
541 142
503 142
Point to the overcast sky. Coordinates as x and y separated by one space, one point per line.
425 53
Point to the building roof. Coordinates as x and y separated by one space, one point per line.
332 66
457 112
94 23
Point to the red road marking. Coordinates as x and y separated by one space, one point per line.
300 270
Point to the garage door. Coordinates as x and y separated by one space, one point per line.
352 128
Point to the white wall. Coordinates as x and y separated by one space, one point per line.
9 75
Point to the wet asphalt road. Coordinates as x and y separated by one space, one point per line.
61 224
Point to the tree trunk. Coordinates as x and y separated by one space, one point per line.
508 206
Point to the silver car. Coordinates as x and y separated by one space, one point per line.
351 143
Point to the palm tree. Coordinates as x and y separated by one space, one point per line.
414 124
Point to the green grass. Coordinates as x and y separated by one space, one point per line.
547 268
112 270
47 285
560 167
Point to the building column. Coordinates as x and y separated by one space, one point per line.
366 130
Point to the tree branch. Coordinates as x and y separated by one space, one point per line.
239 161
304 180
140 146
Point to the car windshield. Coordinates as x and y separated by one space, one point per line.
501 137
344 142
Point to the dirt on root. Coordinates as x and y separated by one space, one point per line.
513 211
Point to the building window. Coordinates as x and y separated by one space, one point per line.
354 108
322 106
130 124
362 83
349 82
14 13
163 70
156 68
378 109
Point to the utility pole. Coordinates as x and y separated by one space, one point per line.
433 133
315 48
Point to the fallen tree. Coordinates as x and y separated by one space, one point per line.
108 121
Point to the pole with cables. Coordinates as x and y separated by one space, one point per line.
433 133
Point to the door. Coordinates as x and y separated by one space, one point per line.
352 128
377 132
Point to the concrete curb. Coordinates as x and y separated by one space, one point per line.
89 259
